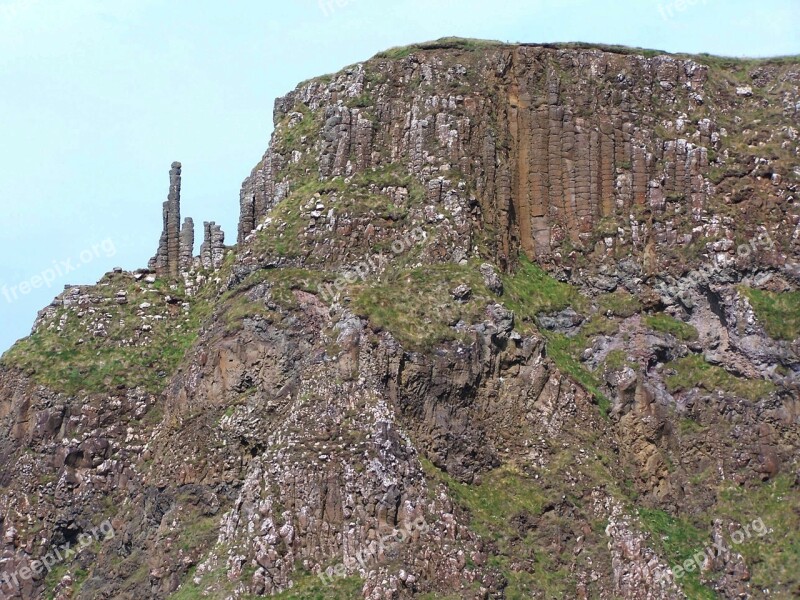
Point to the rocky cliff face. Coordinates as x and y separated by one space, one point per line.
502 322
555 150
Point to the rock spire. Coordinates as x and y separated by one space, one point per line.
175 252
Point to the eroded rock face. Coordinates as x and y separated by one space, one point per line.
187 244
554 145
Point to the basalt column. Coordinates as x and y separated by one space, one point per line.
187 244
168 256
212 252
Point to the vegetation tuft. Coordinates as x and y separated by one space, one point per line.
531 291
779 313
694 372
665 323
677 540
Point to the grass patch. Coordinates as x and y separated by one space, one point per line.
599 325
504 495
60 361
514 513
282 282
310 587
619 304
693 371
531 291
779 313
613 48
446 43
198 533
416 305
564 351
618 359
688 426
677 540
774 557
417 308
362 101
664 323
289 134
360 196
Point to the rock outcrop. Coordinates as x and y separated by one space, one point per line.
212 251
175 254
561 150
187 245
554 141
168 256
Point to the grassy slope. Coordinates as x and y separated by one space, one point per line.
73 359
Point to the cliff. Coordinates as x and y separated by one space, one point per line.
501 322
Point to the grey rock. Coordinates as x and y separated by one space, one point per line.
212 251
491 278
605 283
187 244
462 293
501 318
167 258
562 322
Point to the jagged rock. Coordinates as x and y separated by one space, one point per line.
176 248
565 321
555 166
501 318
461 293
604 283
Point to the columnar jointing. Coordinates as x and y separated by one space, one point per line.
168 256
175 254
562 148
212 251
172 220
187 244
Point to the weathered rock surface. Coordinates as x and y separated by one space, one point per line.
212 251
554 145
168 256
187 244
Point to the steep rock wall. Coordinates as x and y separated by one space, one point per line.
561 149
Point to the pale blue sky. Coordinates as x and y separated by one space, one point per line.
97 98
